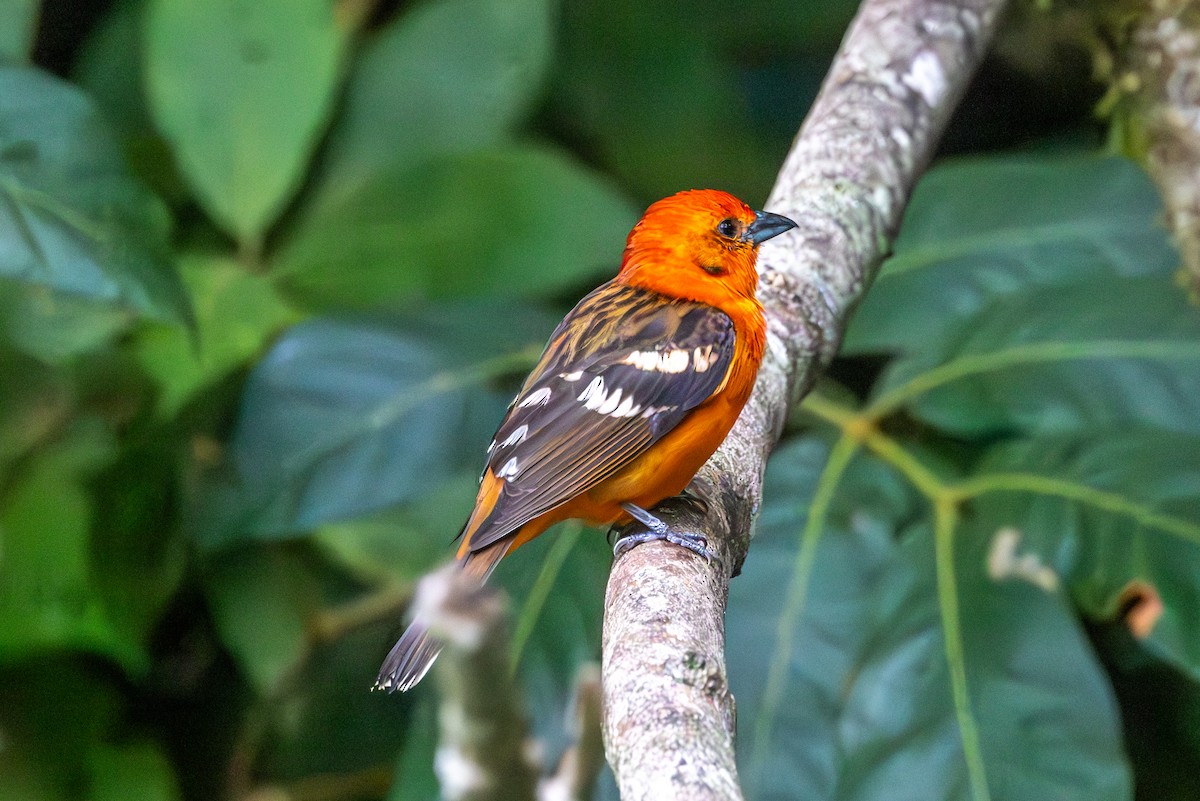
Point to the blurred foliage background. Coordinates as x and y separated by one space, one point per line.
270 270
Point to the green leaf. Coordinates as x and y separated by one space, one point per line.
34 401
71 216
139 770
978 231
345 418
866 705
139 554
429 85
47 734
404 542
20 25
328 720
1108 514
47 597
109 68
1049 725
556 584
1108 352
54 327
415 779
643 85
236 313
502 223
243 90
262 599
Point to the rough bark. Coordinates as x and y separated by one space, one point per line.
668 715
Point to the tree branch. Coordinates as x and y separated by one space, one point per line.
668 716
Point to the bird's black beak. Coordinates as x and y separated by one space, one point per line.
767 225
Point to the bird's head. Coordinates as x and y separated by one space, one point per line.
700 245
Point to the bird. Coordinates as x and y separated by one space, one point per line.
637 387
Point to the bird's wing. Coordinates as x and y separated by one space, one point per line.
622 370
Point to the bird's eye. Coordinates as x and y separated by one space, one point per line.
713 269
727 228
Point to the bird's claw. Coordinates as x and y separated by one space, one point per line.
656 529
693 542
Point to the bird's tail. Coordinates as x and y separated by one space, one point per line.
413 655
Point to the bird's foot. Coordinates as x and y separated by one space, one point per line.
658 530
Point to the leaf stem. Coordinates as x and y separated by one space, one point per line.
1072 491
563 543
945 521
797 594
1033 353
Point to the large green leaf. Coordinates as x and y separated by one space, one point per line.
71 217
978 231
344 418
1104 352
243 90
236 313
500 223
1109 514
429 84
847 682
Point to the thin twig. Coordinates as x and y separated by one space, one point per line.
484 753
575 778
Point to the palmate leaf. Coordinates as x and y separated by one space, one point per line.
856 702
1027 300
72 218
1098 353
344 418
978 231
1106 513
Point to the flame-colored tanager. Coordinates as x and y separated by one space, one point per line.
637 387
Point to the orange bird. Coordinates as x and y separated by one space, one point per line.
637 387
